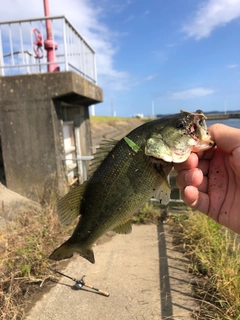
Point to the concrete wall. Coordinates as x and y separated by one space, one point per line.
32 109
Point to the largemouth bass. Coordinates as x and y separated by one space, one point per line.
125 175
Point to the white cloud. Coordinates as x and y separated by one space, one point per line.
210 15
232 66
191 93
160 56
150 77
171 45
129 18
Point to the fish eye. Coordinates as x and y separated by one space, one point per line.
180 124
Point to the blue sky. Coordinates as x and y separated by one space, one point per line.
170 54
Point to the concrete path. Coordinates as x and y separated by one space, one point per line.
145 276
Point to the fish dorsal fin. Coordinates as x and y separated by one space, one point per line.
124 228
105 147
68 207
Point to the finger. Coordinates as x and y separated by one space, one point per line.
204 166
195 199
234 161
190 163
203 187
192 177
208 154
226 138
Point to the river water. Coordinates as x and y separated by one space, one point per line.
229 122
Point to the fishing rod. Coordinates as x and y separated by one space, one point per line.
80 283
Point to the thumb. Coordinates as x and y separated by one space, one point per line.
225 137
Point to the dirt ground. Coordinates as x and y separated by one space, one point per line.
112 130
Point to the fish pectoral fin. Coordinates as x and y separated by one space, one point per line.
67 249
68 207
124 228
163 194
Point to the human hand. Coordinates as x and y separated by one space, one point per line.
210 180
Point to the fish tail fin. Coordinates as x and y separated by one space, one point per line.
67 249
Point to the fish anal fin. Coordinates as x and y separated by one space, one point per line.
68 207
67 249
124 228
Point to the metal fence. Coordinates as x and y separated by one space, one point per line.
21 53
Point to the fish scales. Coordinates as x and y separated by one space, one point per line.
128 177
125 181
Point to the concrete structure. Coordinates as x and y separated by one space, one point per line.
33 111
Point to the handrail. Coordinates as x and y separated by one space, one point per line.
17 54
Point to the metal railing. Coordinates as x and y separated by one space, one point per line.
84 160
20 54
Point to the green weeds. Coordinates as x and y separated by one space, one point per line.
106 119
214 254
25 245
148 214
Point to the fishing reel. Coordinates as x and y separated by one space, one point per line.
80 283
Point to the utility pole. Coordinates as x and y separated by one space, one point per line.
153 111
112 108
225 105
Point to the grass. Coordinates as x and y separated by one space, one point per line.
103 119
24 248
214 254
150 213
154 212
113 120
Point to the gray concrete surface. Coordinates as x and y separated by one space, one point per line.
13 204
33 108
145 276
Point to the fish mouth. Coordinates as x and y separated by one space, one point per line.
192 131
199 132
197 124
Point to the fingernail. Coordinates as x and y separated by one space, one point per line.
189 176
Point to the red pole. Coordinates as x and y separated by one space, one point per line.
49 44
